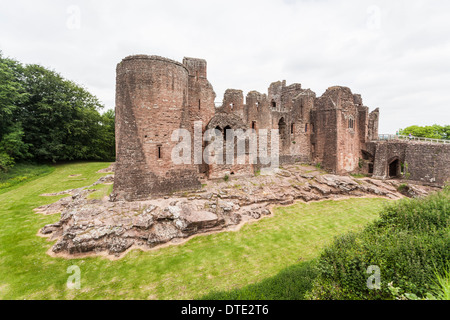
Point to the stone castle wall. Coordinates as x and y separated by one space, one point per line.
417 161
151 102
155 96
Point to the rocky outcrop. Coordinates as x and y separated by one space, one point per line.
97 226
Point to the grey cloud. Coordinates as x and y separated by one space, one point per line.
401 67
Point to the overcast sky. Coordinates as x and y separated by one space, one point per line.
396 54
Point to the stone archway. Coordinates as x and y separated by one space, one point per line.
394 168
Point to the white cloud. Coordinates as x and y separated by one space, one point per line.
394 53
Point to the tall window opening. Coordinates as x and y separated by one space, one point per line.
228 134
159 154
282 128
274 105
351 123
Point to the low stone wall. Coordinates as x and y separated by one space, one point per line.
424 162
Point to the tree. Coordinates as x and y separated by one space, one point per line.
61 119
434 131
45 117
12 94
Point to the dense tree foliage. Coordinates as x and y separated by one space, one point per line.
434 131
45 117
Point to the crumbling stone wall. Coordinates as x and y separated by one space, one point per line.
155 96
340 130
427 163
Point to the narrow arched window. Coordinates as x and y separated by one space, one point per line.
159 152
351 123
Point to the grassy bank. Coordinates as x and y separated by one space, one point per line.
218 262
22 173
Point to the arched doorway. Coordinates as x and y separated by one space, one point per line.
394 168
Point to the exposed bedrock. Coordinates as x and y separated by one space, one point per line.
103 226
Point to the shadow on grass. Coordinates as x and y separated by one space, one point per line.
291 283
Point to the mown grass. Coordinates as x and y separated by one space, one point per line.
292 283
21 173
216 262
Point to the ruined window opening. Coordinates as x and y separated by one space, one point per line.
292 128
257 105
159 152
312 128
254 125
232 106
199 104
370 168
274 104
306 127
282 129
228 135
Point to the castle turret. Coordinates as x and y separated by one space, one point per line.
151 102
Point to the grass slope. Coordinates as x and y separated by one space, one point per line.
208 263
21 173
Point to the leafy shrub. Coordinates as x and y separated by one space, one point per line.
408 243
6 162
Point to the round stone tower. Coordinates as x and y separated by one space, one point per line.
151 102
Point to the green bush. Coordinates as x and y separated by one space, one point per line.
6 162
408 243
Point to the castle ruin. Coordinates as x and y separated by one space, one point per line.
156 95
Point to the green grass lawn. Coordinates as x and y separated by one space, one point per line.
21 173
217 262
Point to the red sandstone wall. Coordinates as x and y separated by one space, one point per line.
151 99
